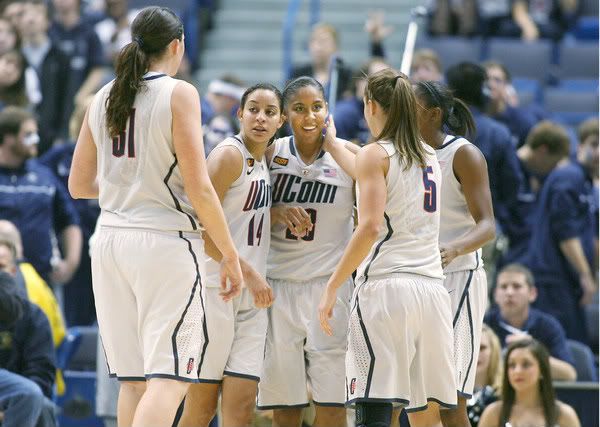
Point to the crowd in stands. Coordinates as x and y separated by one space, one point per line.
543 178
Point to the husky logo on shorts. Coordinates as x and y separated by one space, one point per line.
352 385
190 365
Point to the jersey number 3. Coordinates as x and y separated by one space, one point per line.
120 142
429 199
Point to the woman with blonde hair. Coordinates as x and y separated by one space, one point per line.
488 375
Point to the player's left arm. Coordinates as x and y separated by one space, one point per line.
83 182
470 168
372 164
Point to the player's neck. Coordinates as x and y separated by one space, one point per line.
257 149
309 151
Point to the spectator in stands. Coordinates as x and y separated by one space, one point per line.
426 66
35 201
546 145
12 10
349 113
534 19
219 110
28 280
528 396
504 103
469 83
78 296
48 66
514 320
493 16
12 80
27 366
452 17
563 248
323 46
488 377
9 38
114 31
31 286
80 43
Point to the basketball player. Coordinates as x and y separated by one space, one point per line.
240 175
311 223
140 152
400 332
467 223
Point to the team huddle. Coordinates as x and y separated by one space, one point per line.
235 273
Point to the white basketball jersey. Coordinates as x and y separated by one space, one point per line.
247 207
325 191
408 240
456 220
140 182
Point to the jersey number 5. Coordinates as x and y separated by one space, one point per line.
429 199
120 142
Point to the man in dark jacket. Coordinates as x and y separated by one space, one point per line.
27 360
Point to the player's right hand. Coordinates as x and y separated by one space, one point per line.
326 309
259 288
296 219
231 277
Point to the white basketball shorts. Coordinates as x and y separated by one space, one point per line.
400 343
149 301
468 296
237 331
298 353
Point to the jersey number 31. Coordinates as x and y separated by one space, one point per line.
122 140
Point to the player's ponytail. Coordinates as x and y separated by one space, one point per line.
393 92
151 31
456 116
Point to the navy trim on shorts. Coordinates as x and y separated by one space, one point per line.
329 404
377 400
156 76
104 351
470 314
244 376
177 204
127 378
369 347
463 297
448 143
197 283
267 407
172 377
443 405
462 394
205 381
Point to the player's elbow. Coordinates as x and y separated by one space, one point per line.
79 189
370 229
